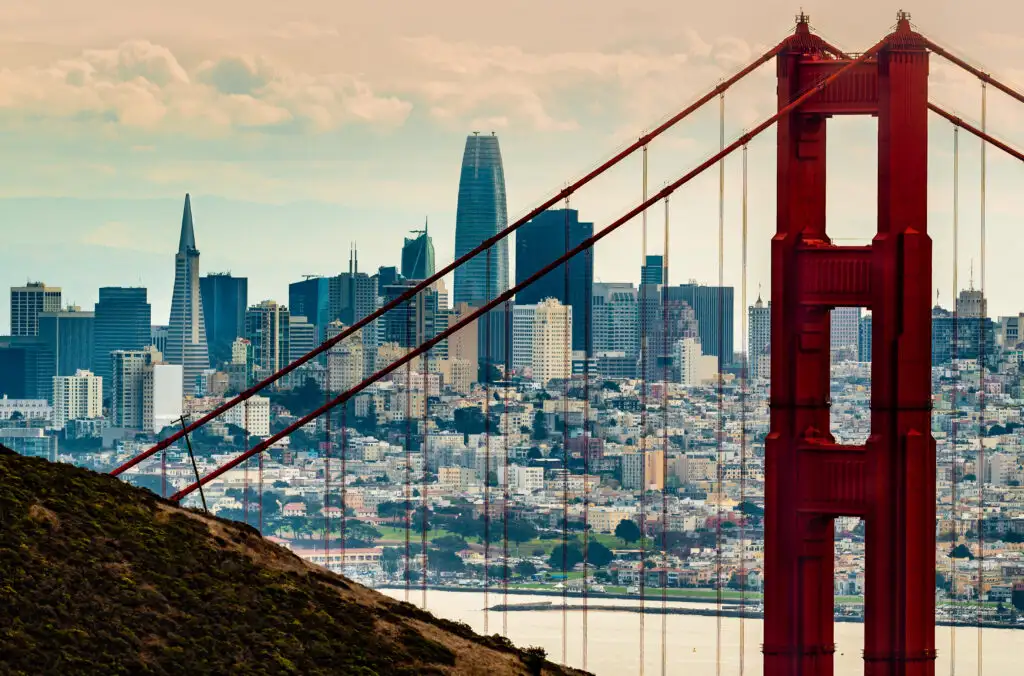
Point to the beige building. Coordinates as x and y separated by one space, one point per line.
552 341
345 361
76 397
644 469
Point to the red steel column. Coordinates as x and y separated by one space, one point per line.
798 546
900 575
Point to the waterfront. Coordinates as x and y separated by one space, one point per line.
613 638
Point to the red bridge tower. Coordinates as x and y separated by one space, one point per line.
890 481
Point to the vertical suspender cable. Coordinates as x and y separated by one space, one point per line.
588 268
344 473
259 465
664 449
163 473
982 321
488 320
721 393
955 407
327 479
424 438
567 376
505 493
408 309
744 375
644 358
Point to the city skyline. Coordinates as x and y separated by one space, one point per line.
101 185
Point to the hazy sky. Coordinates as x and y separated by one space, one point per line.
301 126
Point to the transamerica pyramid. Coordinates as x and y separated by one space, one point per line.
186 334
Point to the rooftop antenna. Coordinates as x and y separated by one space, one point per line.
972 274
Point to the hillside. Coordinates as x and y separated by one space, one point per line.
99 577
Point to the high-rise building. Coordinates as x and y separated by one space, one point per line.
122 322
759 333
311 298
481 213
76 397
186 339
690 365
68 334
522 337
353 295
301 337
267 327
418 255
418 319
128 369
552 331
161 396
713 309
864 342
225 299
845 332
961 338
345 360
644 470
158 338
27 302
541 241
653 270
615 322
971 304
26 368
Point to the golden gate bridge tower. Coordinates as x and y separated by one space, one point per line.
889 482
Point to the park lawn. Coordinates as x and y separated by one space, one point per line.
398 534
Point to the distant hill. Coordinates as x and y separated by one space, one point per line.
99 577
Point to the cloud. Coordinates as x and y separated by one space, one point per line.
119 235
143 85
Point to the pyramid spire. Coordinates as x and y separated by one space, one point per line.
188 235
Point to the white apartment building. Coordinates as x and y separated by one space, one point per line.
252 415
552 341
522 480
76 397
691 364
161 396
522 337
28 409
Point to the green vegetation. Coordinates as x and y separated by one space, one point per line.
99 577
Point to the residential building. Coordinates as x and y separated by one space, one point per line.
162 394
28 302
225 299
127 394
691 364
186 334
76 397
344 361
267 328
552 329
540 242
643 468
522 338
252 415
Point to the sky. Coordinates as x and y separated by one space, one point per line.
301 127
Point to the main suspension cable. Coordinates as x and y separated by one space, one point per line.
509 293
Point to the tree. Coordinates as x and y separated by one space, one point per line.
534 453
526 569
469 420
392 510
520 531
627 531
360 534
598 554
540 426
749 508
572 556
444 561
451 543
961 551
389 559
280 484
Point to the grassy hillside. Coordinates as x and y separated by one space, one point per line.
98 577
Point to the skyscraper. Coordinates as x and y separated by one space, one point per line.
353 295
69 334
186 339
122 322
845 333
311 298
418 255
541 241
653 270
481 213
712 307
268 329
225 299
26 304
759 333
